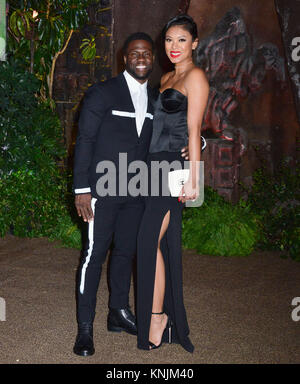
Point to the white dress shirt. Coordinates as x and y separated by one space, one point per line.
139 97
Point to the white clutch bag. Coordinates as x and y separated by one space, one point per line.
176 179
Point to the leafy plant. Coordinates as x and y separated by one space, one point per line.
88 48
34 192
30 135
67 231
275 198
220 228
40 31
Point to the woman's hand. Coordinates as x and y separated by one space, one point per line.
190 191
185 152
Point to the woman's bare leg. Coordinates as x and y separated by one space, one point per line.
159 322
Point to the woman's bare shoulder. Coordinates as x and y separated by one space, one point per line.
196 80
196 74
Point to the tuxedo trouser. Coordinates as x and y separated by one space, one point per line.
116 220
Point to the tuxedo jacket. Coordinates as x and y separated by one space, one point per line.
107 128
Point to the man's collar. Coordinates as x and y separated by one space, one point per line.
133 82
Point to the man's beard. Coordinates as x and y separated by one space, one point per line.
139 77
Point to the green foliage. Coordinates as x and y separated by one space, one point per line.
220 228
40 29
275 198
30 132
88 48
32 202
67 231
34 195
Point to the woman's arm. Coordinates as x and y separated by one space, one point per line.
197 90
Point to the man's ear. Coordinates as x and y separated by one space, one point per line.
125 59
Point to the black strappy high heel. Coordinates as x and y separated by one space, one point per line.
168 328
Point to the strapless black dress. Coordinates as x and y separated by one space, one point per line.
169 136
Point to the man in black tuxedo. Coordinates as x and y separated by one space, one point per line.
116 117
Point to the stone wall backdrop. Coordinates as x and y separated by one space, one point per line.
253 102
288 14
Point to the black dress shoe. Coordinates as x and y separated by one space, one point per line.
121 320
84 344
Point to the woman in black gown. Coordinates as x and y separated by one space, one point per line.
179 110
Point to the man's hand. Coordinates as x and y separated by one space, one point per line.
84 207
185 152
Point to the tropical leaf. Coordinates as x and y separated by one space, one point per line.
88 48
52 27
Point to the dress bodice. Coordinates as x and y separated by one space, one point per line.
173 100
170 131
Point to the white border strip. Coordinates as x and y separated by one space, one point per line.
90 250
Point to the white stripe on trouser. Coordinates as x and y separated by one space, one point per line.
90 250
